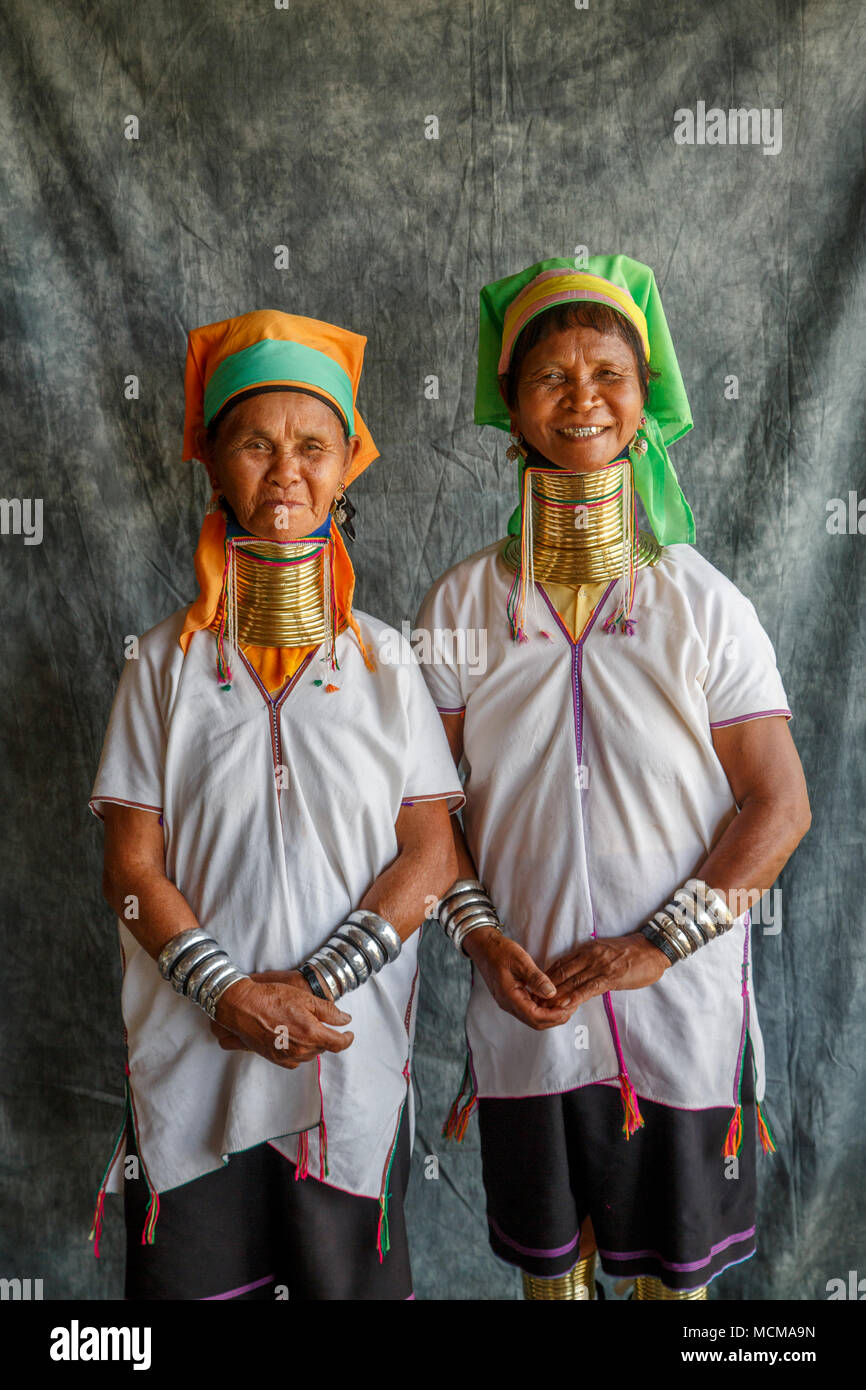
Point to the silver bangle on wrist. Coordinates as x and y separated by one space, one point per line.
465 907
696 915
361 946
196 966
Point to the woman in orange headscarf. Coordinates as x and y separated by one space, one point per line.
275 795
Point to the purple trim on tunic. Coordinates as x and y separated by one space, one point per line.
236 1293
442 709
119 801
528 1250
435 796
741 718
684 1267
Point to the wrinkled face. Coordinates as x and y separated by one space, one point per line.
579 398
279 460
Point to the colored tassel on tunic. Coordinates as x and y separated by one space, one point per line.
768 1143
99 1212
633 1118
302 1162
96 1226
383 1233
148 1235
323 1130
459 1116
734 1138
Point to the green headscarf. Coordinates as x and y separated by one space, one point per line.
667 409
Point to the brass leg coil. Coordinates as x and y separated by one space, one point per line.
578 1283
646 1287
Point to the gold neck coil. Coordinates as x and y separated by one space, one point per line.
279 592
579 525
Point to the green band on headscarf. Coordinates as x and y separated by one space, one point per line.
273 361
667 408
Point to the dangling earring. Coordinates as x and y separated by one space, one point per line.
516 448
343 511
639 444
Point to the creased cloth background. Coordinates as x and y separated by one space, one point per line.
305 127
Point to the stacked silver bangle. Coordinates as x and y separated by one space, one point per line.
196 966
697 914
359 948
466 906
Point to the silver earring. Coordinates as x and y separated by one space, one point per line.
516 448
343 511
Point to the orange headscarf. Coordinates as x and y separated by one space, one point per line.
220 345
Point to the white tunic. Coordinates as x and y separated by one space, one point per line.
593 792
270 871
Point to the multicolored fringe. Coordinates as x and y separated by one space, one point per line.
457 1123
633 1120
323 1129
734 1137
148 1234
302 1158
768 1143
383 1232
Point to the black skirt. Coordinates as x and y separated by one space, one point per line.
251 1231
664 1202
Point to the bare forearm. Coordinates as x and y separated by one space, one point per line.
404 891
150 905
752 851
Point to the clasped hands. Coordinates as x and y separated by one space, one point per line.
546 1000
275 1014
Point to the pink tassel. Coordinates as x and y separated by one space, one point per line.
96 1226
302 1164
734 1138
633 1118
768 1143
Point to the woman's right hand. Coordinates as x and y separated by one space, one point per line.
282 1022
514 980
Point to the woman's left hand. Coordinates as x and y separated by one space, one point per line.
610 962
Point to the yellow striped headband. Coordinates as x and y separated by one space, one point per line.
556 287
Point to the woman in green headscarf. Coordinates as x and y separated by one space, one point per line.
631 789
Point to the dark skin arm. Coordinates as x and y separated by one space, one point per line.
424 869
511 975
766 779
253 1013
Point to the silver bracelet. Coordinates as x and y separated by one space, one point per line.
465 907
216 992
696 915
196 966
360 947
175 948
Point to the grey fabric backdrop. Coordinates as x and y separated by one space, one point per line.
305 127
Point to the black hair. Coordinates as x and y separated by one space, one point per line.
213 427
574 314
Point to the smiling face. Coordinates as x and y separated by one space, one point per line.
579 398
279 459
